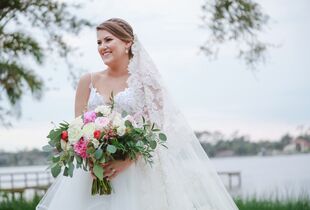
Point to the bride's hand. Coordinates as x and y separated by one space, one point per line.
113 168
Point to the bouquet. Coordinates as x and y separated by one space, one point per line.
97 137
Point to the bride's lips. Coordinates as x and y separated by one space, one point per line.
106 53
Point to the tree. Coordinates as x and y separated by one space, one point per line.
19 21
238 22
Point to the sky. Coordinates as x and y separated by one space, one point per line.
220 95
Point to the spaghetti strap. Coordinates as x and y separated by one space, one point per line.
91 80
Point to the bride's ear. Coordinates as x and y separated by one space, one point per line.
128 44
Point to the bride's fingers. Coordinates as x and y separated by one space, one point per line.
104 165
112 176
109 171
93 175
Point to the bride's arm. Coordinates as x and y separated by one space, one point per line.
82 95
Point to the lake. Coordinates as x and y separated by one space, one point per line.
287 175
265 176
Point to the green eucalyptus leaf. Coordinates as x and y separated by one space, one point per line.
153 144
128 123
162 137
98 154
98 171
56 170
71 168
66 171
55 159
111 148
139 144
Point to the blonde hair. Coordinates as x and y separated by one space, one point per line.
119 28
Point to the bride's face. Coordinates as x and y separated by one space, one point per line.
110 48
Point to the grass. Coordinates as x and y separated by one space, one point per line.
301 203
8 203
252 203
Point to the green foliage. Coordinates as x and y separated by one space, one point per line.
49 20
236 21
253 203
111 149
98 171
98 154
302 203
7 203
242 145
56 169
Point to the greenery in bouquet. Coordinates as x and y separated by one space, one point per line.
99 136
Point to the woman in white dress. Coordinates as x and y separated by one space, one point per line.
181 178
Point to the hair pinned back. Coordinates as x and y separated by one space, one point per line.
119 28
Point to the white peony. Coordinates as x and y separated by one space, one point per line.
105 110
121 130
88 130
74 133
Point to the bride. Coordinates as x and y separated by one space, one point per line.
182 176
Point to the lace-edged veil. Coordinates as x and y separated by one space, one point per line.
184 161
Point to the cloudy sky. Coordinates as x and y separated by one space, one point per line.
214 95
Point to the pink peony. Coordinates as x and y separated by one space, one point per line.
89 117
102 122
80 148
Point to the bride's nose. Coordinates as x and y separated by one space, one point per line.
102 48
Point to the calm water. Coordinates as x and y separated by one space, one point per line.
263 176
269 176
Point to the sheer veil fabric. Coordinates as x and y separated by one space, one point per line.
182 176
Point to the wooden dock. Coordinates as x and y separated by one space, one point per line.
231 175
19 182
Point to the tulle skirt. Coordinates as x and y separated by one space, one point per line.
181 178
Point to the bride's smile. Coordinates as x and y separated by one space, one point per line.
111 48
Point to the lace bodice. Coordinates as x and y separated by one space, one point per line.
124 100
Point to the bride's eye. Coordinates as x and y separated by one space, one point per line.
99 42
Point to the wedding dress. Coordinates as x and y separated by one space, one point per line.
182 176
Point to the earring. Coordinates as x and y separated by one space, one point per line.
126 50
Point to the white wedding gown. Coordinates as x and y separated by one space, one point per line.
178 180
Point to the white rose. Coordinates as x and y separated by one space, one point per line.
77 122
117 120
105 110
74 133
64 145
95 142
88 130
121 130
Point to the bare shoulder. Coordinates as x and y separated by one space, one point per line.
84 79
82 94
97 75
